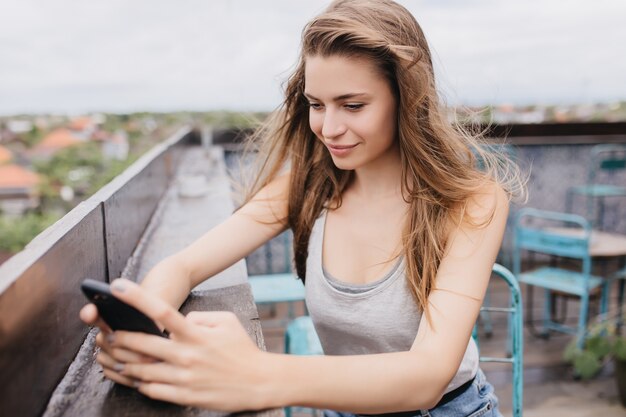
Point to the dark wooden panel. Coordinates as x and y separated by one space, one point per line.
40 331
85 393
128 211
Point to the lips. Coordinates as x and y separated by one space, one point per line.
341 150
341 147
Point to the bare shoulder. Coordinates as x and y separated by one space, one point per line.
270 204
489 203
482 216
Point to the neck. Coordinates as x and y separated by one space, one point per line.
381 178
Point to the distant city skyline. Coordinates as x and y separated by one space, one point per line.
72 56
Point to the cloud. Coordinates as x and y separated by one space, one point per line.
71 55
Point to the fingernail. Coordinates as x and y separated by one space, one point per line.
119 367
110 338
136 384
118 285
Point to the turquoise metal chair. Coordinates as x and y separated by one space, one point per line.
278 287
538 238
506 152
301 338
604 158
515 341
620 276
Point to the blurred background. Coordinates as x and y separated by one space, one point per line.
116 77
87 88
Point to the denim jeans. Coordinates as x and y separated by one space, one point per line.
478 400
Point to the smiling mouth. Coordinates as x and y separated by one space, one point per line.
340 147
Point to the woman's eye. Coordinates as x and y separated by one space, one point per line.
315 106
353 106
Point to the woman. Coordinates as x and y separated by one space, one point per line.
395 234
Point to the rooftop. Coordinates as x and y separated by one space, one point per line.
15 176
57 139
5 155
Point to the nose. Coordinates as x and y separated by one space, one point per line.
332 126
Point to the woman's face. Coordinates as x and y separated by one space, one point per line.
352 110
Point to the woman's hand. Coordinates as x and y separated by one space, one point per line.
112 359
209 360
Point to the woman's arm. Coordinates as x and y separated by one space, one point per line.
214 364
261 219
172 279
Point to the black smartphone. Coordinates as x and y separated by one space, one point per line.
116 313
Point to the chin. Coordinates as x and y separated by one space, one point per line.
344 165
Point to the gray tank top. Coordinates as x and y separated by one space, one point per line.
378 317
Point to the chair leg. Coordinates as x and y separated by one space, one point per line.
547 312
287 409
604 301
512 330
582 320
528 314
620 302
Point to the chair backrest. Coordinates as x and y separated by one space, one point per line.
515 340
570 242
274 257
607 158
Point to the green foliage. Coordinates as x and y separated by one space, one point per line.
571 352
16 232
619 349
587 364
229 120
112 170
33 137
602 344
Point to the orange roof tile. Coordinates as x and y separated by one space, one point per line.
81 123
14 176
5 155
58 139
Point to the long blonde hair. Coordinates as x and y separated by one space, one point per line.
442 165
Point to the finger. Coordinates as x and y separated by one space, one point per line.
102 341
152 306
118 353
120 379
155 347
127 356
157 372
108 362
89 315
211 318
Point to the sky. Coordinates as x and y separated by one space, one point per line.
75 56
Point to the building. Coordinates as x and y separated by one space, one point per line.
19 189
53 142
5 155
83 127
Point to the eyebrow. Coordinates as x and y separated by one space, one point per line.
339 98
